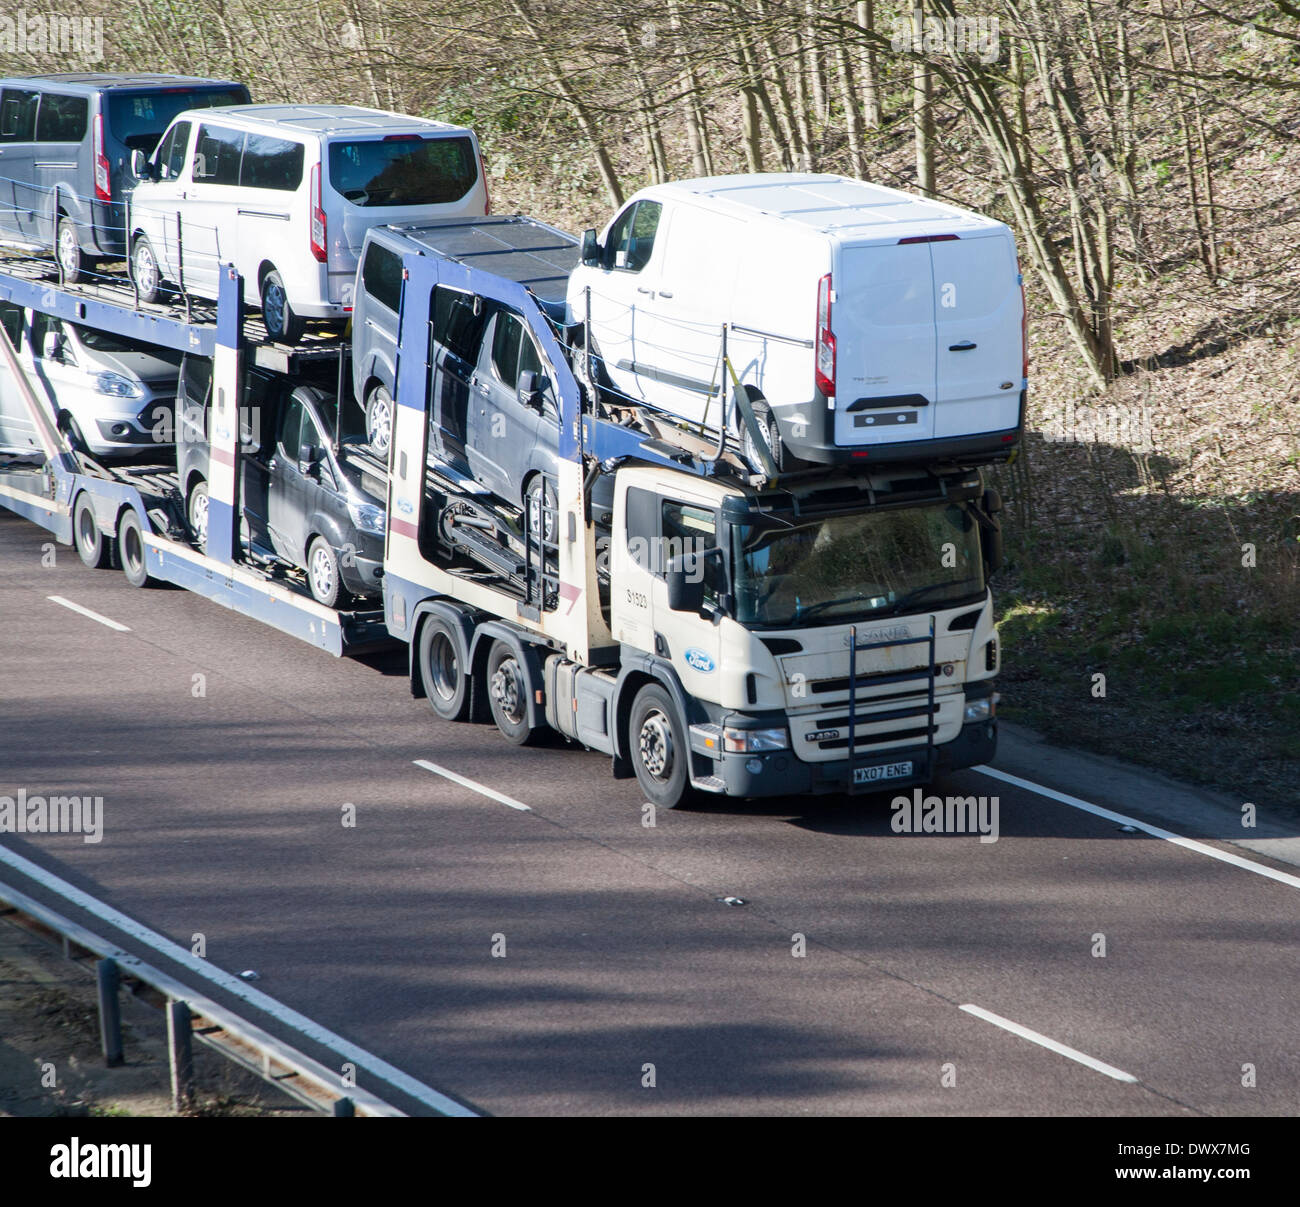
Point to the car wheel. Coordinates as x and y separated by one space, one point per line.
658 748
282 324
443 670
145 271
323 574
379 420
196 513
540 507
67 250
93 547
130 544
771 435
508 695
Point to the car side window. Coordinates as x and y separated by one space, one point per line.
505 347
44 325
290 429
530 361
11 319
217 154
18 115
632 237
62 118
456 325
381 276
171 157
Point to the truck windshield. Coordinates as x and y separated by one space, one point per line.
403 170
856 566
138 119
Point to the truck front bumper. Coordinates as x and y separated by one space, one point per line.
780 773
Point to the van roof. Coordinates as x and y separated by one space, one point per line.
327 119
516 247
101 81
850 210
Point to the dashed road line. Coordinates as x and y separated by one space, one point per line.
473 785
76 607
1035 1037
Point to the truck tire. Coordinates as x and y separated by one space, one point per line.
507 691
282 324
93 547
444 674
658 748
67 250
130 544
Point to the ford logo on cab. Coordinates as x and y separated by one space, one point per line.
698 660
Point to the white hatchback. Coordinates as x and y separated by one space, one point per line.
286 194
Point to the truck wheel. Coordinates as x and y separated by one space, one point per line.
130 544
323 574
196 513
508 695
67 250
443 671
379 420
145 271
93 547
658 748
282 325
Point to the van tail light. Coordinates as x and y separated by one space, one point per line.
825 363
487 193
103 182
1024 326
318 230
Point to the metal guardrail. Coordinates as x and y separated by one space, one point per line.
191 1016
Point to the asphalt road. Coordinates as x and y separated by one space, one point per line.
223 817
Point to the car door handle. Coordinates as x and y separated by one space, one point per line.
643 289
964 346
665 293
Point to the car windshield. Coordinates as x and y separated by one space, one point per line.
850 567
138 119
403 170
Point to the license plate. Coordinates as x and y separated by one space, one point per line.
887 771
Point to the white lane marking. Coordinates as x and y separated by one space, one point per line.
1178 840
241 989
76 607
1034 1037
472 785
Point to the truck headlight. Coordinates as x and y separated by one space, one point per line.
981 710
117 386
367 517
744 741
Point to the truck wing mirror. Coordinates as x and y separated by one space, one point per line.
685 579
992 501
592 252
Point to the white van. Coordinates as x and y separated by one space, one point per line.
286 193
109 394
865 323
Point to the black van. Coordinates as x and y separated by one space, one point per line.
65 154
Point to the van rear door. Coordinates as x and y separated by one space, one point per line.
882 317
977 312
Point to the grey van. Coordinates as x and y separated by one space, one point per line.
65 154
493 412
